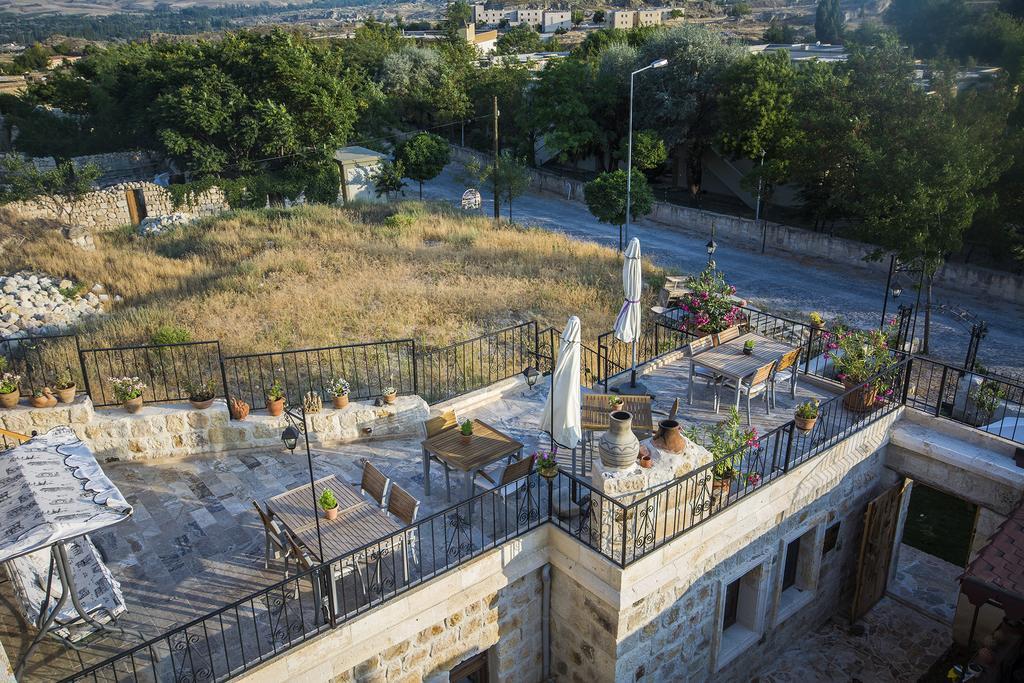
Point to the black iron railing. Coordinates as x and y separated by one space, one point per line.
41 360
369 368
168 370
658 339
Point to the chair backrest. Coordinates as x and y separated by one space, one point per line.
728 334
702 344
762 374
441 423
788 361
402 505
374 482
302 560
519 468
268 523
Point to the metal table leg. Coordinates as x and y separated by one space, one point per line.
426 472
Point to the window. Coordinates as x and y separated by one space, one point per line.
732 600
798 575
789 569
473 670
741 616
831 538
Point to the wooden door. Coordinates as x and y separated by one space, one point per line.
133 207
876 544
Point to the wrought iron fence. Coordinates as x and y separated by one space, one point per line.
590 360
658 339
369 368
169 370
41 360
469 365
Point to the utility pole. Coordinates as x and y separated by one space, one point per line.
497 203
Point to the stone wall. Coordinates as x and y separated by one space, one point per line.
115 167
107 209
177 429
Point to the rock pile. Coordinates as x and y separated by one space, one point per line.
157 225
31 303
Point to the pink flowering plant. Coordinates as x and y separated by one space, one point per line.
709 305
727 442
126 388
545 460
859 357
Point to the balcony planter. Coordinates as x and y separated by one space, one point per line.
275 407
862 397
133 405
67 394
201 405
390 395
805 424
720 487
340 401
548 472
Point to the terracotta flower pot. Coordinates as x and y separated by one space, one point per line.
645 460
619 447
201 405
67 395
332 513
390 398
133 405
670 437
340 401
861 399
720 488
805 424
10 399
275 408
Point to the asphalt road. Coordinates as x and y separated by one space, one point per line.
779 283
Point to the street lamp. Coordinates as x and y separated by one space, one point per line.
711 246
290 437
532 375
657 64
897 289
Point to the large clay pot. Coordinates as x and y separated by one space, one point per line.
862 399
341 401
670 437
805 424
67 395
9 400
390 398
275 408
619 447
133 405
720 489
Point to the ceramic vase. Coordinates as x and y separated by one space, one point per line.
619 447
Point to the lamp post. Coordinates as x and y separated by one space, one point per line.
657 64
290 438
711 247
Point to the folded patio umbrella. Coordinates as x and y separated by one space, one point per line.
52 489
627 324
562 417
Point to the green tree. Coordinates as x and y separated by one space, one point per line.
577 17
58 190
521 39
510 177
605 196
828 22
458 14
599 16
387 178
424 156
649 151
779 32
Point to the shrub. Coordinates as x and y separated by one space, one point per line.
327 500
708 305
170 334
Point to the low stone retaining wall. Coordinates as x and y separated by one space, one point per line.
177 429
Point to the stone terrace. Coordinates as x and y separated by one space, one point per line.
195 543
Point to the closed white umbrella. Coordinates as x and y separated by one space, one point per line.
562 417
627 324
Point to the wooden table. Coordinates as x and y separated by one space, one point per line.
487 445
595 411
728 360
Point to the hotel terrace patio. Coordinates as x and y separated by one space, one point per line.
195 544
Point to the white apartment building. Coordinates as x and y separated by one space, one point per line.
554 20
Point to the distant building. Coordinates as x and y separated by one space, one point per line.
548 20
485 41
482 15
648 17
806 52
357 164
554 20
621 19
533 17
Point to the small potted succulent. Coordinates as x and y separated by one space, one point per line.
329 504
339 389
43 398
748 347
545 463
817 322
275 398
9 382
65 386
390 394
128 392
467 430
806 415
201 395
614 403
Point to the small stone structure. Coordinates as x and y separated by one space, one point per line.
176 429
33 303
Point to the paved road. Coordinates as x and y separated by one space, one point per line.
783 284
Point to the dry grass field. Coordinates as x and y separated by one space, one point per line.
276 279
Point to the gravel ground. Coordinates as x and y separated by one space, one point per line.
783 284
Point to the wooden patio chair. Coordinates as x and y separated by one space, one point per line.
727 335
757 383
274 537
510 486
374 483
438 425
786 370
403 507
696 347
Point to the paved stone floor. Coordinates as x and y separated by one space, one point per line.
893 642
927 582
195 543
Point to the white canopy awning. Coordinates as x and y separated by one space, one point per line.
627 324
52 489
562 417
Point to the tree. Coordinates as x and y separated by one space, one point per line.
510 176
649 151
779 33
828 22
599 16
577 17
387 178
521 39
458 14
424 156
605 196
58 190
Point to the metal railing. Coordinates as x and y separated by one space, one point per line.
369 368
40 360
659 339
168 370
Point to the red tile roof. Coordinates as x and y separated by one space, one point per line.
997 573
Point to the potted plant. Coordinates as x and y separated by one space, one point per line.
339 389
861 360
65 386
748 347
709 305
467 430
275 398
753 479
806 415
728 442
817 322
128 392
545 463
329 504
9 382
986 397
614 402
390 394
201 395
43 398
